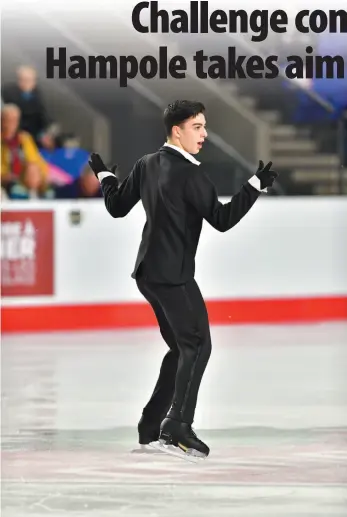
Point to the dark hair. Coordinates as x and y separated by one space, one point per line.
179 111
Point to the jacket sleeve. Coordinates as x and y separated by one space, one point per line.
202 195
120 198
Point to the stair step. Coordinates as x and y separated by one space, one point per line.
269 116
303 176
283 130
328 190
316 161
293 145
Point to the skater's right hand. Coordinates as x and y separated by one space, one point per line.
98 166
266 175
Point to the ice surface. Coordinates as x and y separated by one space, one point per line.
272 408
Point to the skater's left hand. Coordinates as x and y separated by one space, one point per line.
266 175
97 165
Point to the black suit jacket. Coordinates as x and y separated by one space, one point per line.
177 196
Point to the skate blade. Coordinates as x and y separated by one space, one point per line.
145 449
190 455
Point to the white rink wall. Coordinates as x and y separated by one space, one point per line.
284 247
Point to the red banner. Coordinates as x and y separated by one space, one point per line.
27 253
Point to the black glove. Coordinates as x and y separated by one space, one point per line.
266 175
97 165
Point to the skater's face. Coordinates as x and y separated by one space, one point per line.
191 134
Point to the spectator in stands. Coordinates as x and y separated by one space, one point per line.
17 147
64 154
31 184
84 186
27 96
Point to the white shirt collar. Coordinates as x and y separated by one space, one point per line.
183 152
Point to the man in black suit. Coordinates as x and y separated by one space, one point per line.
177 196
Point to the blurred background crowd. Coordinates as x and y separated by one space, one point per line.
48 130
38 159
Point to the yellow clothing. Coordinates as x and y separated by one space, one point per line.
30 154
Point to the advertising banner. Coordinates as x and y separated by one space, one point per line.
27 264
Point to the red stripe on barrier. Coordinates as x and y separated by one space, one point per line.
131 315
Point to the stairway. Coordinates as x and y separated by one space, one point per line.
308 168
295 153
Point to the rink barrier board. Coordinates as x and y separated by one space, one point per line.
136 315
284 263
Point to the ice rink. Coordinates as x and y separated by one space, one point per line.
272 407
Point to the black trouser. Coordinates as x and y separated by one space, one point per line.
183 322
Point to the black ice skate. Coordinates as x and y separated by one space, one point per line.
179 439
148 432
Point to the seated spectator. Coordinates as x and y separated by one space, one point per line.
17 147
64 155
31 184
27 96
86 186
